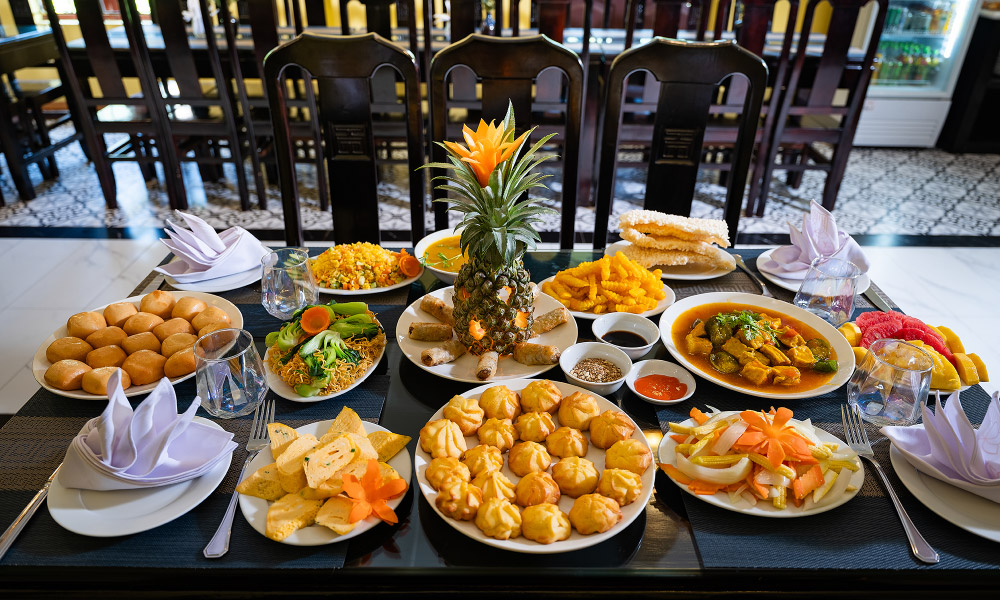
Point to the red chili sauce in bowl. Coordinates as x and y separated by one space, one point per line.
660 387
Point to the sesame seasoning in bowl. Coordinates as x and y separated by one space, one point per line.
596 370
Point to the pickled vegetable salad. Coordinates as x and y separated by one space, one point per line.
755 456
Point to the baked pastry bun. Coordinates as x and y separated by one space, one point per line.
106 356
72 348
215 326
575 476
631 454
144 366
534 426
187 308
442 437
528 457
567 441
494 484
609 427
459 500
482 458
108 336
465 412
141 341
66 374
141 322
116 314
177 342
577 410
211 314
441 470
540 396
499 433
179 364
95 381
536 488
158 302
499 402
169 328
85 323
499 519
545 523
620 485
594 513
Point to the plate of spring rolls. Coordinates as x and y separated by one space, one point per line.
425 335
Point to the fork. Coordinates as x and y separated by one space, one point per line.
857 439
258 440
743 267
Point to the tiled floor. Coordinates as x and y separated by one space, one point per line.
46 280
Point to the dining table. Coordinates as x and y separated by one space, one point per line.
679 545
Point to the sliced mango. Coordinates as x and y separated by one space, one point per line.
852 332
859 354
951 339
943 376
984 375
966 369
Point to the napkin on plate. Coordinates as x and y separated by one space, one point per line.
149 447
205 254
948 448
819 237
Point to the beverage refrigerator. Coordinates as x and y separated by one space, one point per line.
919 58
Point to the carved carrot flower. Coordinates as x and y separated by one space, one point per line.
485 148
774 437
370 494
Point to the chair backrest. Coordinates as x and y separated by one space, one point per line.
688 74
507 68
377 19
343 67
667 18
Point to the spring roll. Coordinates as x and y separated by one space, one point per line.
536 354
437 309
550 321
487 367
430 332
445 353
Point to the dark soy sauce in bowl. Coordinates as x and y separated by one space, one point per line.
625 339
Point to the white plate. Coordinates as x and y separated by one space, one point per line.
666 455
660 306
464 367
678 272
255 509
378 290
576 540
792 285
40 364
112 513
279 387
845 355
972 513
219 284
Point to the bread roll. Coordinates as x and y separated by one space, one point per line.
67 347
144 366
116 314
169 328
141 341
83 324
159 303
109 336
212 314
207 329
177 342
106 356
96 381
188 308
66 374
140 322
179 363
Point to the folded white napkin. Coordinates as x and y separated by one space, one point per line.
819 237
205 254
948 448
149 447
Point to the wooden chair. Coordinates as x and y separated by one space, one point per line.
343 68
822 100
689 75
507 69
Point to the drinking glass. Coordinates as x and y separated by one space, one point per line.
287 283
828 289
229 373
891 383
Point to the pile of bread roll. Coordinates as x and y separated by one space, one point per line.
147 342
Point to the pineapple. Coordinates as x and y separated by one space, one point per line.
493 301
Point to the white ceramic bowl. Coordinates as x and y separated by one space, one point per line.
578 352
421 247
636 324
660 367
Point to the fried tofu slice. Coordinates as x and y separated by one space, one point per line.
335 515
322 462
387 444
263 483
347 421
289 514
756 373
281 437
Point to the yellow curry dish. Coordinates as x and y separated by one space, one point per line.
748 348
445 255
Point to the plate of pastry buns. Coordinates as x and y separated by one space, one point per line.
534 466
148 337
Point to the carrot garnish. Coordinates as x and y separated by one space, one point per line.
408 264
370 494
315 319
675 474
699 417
